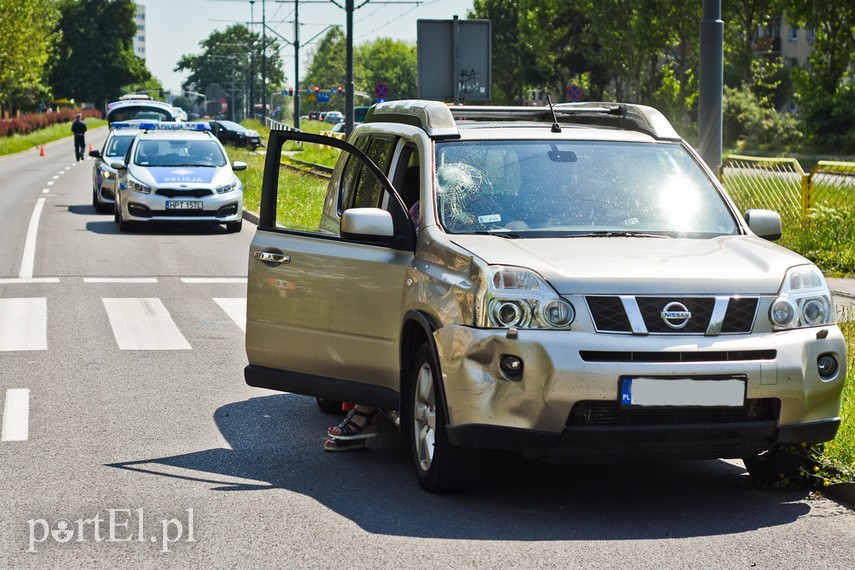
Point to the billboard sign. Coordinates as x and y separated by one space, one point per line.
454 59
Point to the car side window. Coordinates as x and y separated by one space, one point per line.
347 186
368 190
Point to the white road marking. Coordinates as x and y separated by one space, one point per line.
29 257
56 177
235 308
46 190
50 183
120 279
213 280
7 280
23 324
143 324
16 415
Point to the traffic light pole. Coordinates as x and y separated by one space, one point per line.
348 88
296 64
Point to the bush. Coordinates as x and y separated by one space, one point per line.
825 238
747 122
26 124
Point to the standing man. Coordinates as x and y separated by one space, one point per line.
78 127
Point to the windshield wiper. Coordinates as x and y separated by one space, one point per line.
620 233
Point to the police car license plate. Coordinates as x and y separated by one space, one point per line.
183 205
682 392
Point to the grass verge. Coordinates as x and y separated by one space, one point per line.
20 143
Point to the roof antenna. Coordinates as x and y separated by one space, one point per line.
556 128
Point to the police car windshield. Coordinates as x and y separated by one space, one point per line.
179 153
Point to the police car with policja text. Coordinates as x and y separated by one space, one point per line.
178 172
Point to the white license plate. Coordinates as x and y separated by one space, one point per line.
682 392
187 205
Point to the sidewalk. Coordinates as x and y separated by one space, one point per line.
843 291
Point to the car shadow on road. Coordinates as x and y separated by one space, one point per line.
160 229
276 444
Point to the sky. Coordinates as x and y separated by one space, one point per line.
175 27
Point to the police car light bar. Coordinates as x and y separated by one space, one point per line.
173 126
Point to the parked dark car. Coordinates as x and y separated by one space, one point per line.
235 134
314 115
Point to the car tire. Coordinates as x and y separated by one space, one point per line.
440 466
234 227
783 466
328 406
124 226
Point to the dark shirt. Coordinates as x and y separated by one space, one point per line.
78 127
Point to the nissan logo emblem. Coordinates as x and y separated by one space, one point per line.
676 315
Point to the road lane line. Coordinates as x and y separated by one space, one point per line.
213 280
28 260
143 324
16 415
23 324
235 308
120 279
7 280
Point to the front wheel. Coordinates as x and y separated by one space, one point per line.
234 227
440 466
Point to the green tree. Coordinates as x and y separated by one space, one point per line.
27 34
742 18
232 58
95 59
389 61
328 67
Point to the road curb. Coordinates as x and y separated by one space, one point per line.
250 217
843 492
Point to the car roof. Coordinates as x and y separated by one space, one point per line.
613 121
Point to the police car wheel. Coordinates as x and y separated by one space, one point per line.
234 227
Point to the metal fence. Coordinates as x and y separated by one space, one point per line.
781 184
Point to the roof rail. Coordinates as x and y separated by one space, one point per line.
622 115
439 120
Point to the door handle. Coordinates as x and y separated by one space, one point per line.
271 257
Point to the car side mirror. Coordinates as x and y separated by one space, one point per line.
118 165
95 153
238 165
367 224
764 223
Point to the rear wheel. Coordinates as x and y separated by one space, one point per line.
440 466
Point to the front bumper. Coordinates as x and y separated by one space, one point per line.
216 208
567 399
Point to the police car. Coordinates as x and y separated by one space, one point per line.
103 174
178 172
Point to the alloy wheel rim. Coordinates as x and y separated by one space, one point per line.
424 417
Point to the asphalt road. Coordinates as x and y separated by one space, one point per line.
131 440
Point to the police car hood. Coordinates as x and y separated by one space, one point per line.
161 175
637 265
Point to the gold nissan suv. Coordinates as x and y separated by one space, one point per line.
568 282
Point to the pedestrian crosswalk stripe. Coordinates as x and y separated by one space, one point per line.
120 279
16 415
23 324
143 324
235 308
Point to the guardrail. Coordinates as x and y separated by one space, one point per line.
782 184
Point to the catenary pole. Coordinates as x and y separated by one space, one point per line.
710 84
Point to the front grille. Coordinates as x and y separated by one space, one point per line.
180 193
609 314
676 356
611 413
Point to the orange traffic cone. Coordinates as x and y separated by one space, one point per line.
42 151
90 147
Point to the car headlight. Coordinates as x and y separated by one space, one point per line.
231 186
520 298
137 186
105 174
804 300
